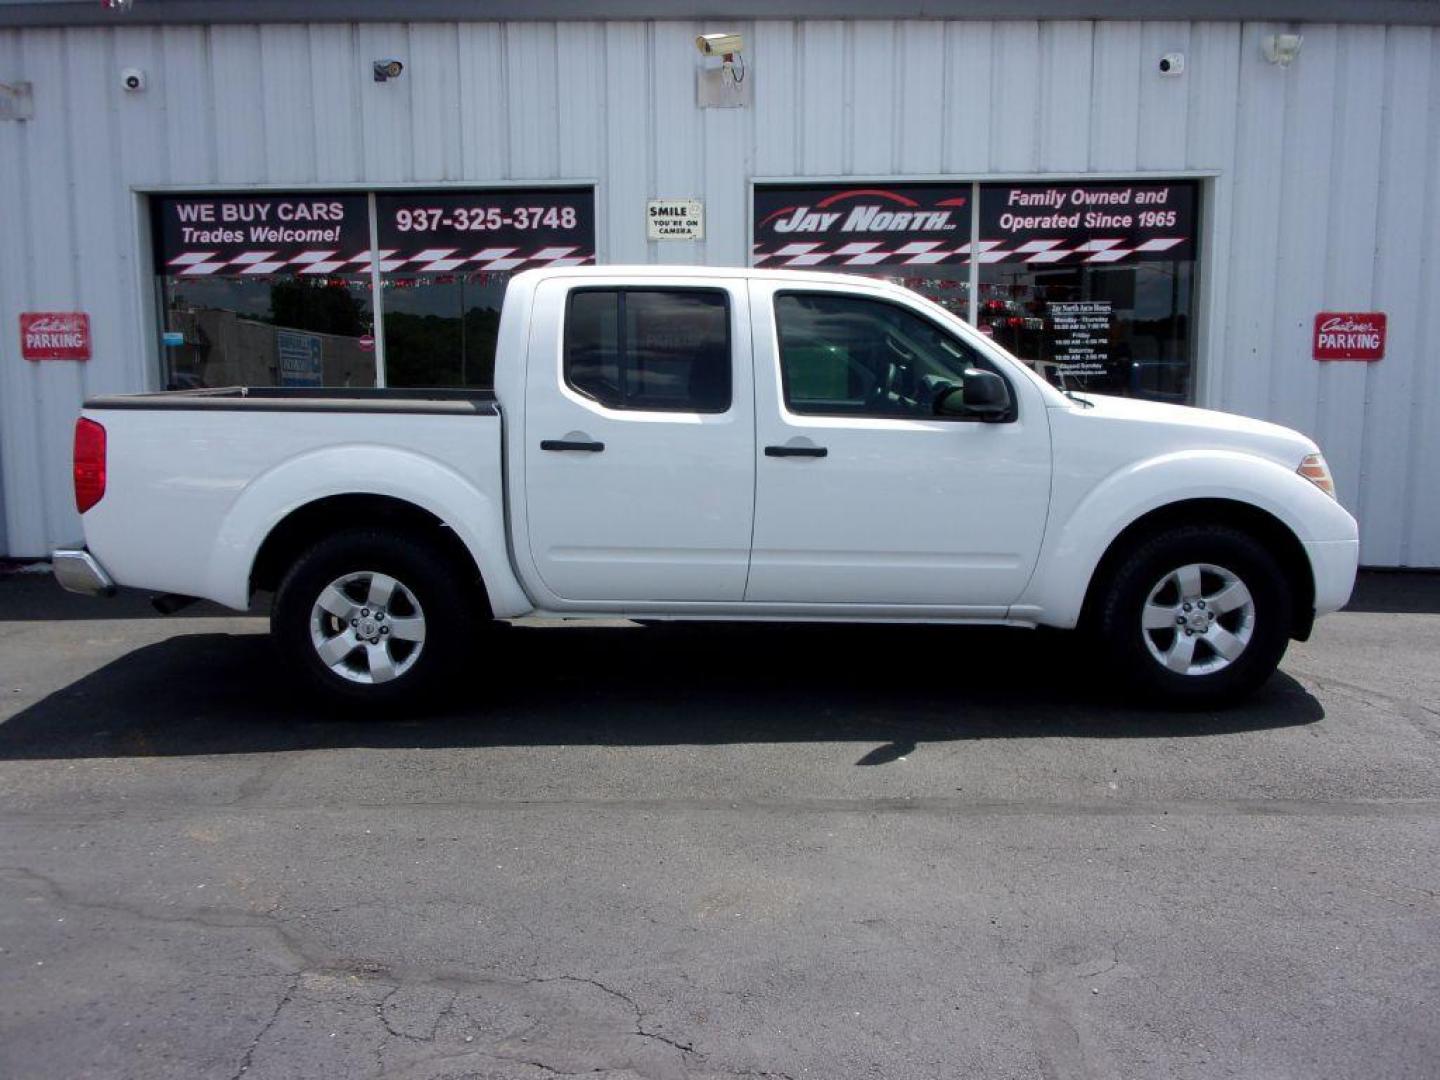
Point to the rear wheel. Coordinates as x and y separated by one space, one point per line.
368 616
1197 615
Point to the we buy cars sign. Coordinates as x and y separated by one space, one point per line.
1349 335
54 335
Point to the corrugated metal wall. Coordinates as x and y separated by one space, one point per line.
1326 194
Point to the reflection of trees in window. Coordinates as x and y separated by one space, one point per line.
437 350
316 306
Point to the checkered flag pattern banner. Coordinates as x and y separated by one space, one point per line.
428 261
933 252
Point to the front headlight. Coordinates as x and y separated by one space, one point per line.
1314 469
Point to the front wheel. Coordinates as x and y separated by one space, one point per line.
1197 616
371 617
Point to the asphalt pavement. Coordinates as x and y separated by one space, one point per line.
715 851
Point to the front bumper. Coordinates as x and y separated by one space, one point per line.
77 571
1333 563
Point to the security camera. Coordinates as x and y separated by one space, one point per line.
1172 63
388 69
1281 49
132 80
719 44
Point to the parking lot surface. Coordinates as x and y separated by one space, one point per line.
715 851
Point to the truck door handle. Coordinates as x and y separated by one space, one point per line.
796 451
586 445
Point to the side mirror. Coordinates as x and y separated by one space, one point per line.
985 396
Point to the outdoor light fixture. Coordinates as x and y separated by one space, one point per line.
1281 49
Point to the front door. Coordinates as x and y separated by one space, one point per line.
639 442
865 493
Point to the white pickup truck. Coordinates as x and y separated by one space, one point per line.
677 443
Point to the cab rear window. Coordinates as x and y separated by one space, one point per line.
650 349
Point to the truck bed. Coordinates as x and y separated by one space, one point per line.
365 399
198 478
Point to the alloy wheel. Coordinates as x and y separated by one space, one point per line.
367 627
1198 619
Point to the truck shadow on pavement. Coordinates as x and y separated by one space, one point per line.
691 684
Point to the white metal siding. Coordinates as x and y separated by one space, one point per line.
1327 193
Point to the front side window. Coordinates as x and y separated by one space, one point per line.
651 349
851 356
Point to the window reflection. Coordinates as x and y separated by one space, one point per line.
1107 329
440 329
283 330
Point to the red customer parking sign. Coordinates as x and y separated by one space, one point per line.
55 335
1349 335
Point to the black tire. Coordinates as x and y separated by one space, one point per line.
1127 646
427 580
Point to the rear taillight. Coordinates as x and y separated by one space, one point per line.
89 464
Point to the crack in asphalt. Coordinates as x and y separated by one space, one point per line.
312 961
687 1048
210 918
285 999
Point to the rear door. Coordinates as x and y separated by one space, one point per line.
639 446
865 492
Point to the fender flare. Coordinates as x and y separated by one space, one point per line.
1073 549
477 518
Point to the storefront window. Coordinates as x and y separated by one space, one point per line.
445 258
264 291
1092 284
277 289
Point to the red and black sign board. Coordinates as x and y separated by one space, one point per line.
261 235
55 335
861 226
1350 335
328 234
449 232
1087 223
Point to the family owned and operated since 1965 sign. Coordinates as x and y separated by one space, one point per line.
1091 223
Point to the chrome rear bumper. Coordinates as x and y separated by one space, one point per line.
77 571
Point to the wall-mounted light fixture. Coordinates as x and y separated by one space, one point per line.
1281 49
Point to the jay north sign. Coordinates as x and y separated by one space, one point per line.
864 225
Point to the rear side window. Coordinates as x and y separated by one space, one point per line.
654 349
